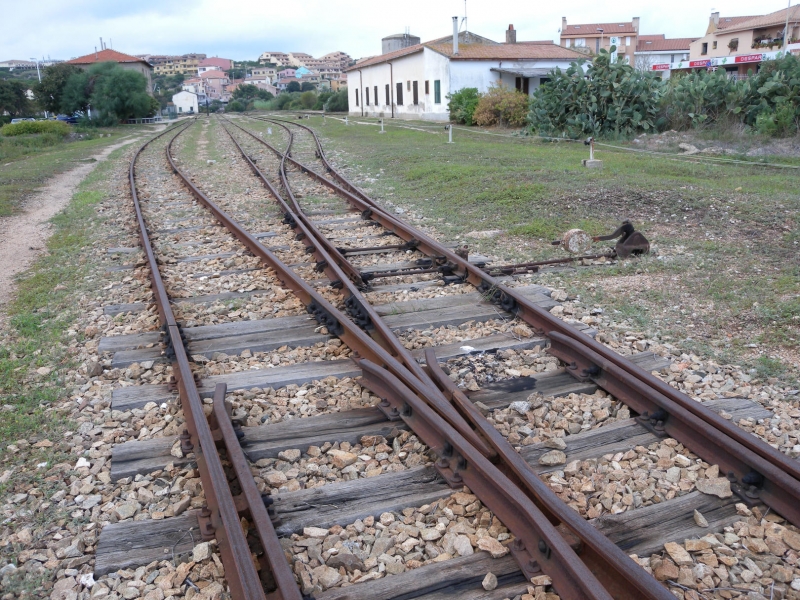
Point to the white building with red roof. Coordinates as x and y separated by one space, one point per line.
126 61
414 82
214 63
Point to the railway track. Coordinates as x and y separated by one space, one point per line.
298 225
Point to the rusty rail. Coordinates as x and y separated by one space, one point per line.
526 508
746 458
222 516
388 352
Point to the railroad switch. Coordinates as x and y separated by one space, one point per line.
631 242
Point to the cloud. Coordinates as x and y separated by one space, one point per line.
242 29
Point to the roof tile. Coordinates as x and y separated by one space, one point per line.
591 28
106 56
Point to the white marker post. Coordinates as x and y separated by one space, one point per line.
450 134
269 130
382 131
345 121
591 163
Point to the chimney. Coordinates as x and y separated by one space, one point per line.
636 24
511 35
563 24
714 21
455 35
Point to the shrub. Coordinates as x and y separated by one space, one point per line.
607 98
235 106
308 99
698 98
769 101
337 102
462 105
501 106
28 127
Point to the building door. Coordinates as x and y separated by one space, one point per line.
388 101
416 93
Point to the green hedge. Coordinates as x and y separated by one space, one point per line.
27 127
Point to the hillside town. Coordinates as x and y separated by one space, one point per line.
412 79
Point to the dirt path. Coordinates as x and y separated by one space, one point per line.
23 236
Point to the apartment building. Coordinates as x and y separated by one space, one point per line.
279 59
739 44
590 38
171 64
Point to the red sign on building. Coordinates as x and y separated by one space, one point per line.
700 63
661 67
748 58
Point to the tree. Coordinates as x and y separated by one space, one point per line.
14 98
308 99
76 93
307 86
293 86
120 94
248 91
49 91
235 106
116 94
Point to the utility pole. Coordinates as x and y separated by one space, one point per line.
786 28
39 73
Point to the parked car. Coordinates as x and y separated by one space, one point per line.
67 119
21 120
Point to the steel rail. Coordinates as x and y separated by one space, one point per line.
222 513
612 567
744 450
395 356
541 541
545 544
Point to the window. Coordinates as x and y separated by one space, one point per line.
704 48
627 40
568 42
580 42
416 94
714 45
399 97
388 100
366 97
408 85
375 89
437 91
427 87
356 97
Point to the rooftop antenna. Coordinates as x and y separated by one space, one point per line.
465 15
95 53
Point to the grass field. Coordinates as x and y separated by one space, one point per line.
723 281
28 161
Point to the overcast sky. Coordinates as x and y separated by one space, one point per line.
242 29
